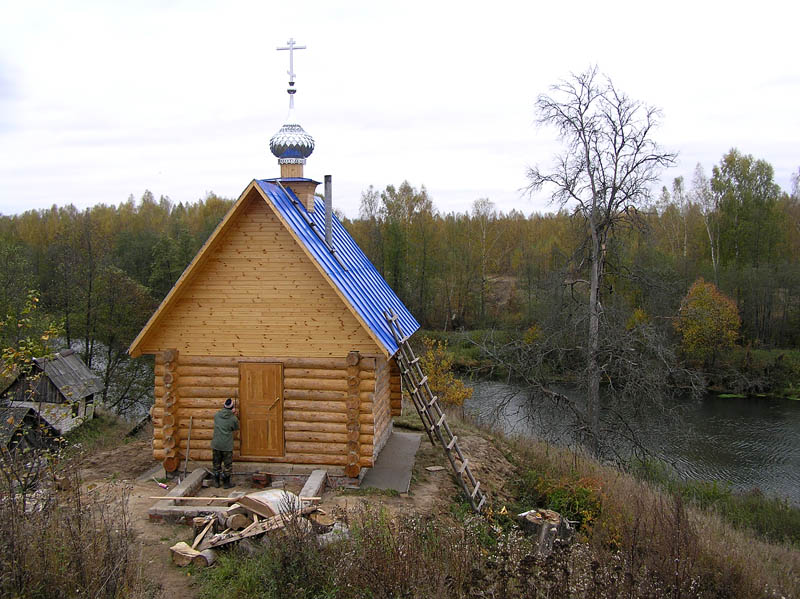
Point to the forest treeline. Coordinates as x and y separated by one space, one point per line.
488 269
99 273
96 276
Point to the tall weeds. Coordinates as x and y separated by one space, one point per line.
59 541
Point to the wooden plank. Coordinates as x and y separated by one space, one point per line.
339 384
200 536
232 361
256 506
315 448
312 405
313 427
315 373
291 415
270 524
307 436
328 397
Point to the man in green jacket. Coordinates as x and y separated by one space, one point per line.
225 422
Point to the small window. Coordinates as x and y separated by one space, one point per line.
75 407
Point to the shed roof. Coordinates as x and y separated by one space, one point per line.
11 418
70 375
361 287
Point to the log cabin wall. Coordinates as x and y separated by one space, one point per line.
381 406
395 388
315 408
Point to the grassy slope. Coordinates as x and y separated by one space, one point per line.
635 540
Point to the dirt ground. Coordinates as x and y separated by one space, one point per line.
430 493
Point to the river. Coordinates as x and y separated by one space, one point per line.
747 443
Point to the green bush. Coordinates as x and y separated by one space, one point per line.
576 499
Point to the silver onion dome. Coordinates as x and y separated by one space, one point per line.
291 144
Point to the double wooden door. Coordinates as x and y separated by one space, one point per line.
261 404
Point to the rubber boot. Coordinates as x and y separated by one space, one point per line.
216 480
226 482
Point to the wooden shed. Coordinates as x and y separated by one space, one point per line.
60 389
288 322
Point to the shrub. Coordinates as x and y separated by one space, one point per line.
60 543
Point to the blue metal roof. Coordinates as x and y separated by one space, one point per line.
366 290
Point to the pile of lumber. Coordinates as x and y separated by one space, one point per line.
250 515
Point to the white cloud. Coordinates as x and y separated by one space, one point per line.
101 100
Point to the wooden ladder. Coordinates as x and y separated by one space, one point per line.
431 414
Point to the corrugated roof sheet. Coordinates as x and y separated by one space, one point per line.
72 377
11 418
366 290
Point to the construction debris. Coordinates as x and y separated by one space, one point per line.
249 516
183 555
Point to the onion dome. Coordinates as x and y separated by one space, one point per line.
291 144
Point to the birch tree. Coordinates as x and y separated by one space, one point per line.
709 208
604 173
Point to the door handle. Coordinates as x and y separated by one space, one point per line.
272 405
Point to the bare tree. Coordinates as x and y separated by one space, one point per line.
604 173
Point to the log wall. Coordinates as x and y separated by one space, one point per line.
381 406
395 388
319 429
257 293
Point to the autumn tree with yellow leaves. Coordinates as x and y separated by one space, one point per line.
437 363
708 322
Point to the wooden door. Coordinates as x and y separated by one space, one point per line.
261 401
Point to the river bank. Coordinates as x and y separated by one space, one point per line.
744 372
739 445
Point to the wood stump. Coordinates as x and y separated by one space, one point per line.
546 526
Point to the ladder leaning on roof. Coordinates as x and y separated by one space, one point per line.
431 414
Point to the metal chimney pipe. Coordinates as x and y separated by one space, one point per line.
328 212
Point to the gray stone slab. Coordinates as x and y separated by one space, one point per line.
315 484
166 508
392 469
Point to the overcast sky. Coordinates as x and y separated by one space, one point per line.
100 100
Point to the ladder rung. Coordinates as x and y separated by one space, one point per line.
403 340
452 442
464 466
483 500
392 318
414 361
432 401
475 490
423 380
441 420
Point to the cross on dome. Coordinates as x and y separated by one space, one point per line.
291 145
291 47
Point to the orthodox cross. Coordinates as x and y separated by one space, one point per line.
291 47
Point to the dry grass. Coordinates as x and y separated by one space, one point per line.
58 539
693 552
